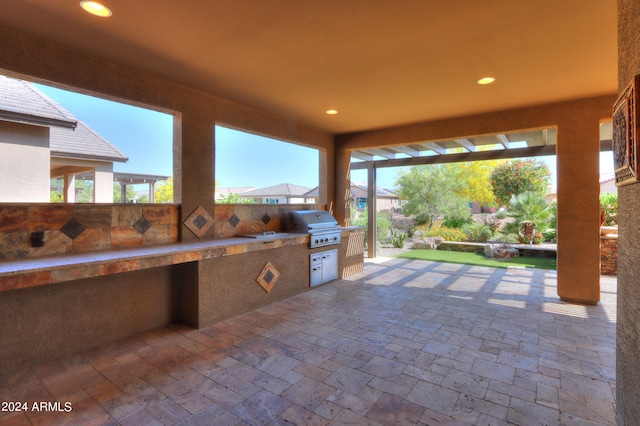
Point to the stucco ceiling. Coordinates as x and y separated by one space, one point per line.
380 63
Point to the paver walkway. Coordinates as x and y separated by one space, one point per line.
404 342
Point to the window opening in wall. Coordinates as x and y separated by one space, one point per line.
62 146
608 215
255 169
456 202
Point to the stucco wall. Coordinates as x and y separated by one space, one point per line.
228 285
48 322
628 331
24 184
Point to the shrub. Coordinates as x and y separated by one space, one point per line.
383 223
447 234
397 238
492 221
508 238
477 232
609 208
457 220
549 234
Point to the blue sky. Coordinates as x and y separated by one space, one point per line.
245 159
145 136
242 159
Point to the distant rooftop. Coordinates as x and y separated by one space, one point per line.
23 102
283 189
83 143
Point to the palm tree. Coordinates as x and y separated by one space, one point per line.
531 213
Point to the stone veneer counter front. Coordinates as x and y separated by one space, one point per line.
23 273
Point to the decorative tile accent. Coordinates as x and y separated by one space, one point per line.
72 228
268 277
142 225
199 222
234 220
266 218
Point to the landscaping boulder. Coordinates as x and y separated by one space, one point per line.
500 251
429 243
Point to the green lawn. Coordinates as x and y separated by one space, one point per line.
478 259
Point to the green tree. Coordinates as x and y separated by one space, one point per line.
474 180
84 191
117 193
233 198
164 191
429 192
531 210
518 176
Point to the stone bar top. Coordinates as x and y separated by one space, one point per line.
31 272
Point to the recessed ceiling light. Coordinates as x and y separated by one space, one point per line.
95 8
332 111
486 80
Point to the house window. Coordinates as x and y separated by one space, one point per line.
62 146
258 167
361 202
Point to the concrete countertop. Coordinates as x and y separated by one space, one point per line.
29 272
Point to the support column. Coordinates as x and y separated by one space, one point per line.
371 210
578 162
103 186
69 188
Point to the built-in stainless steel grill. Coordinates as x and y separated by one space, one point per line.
320 224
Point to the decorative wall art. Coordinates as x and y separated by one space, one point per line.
625 135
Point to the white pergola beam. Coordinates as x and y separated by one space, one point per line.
504 141
466 144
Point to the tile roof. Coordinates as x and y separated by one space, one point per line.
284 189
23 102
126 178
381 192
83 143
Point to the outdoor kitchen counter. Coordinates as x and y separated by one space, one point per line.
31 272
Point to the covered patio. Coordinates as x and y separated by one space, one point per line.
404 342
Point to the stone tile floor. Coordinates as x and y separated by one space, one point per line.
404 342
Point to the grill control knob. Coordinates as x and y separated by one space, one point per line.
316 241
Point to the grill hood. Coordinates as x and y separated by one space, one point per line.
307 221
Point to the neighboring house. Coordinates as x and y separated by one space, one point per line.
41 140
385 199
220 192
284 193
608 183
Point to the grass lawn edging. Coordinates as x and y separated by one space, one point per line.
478 259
